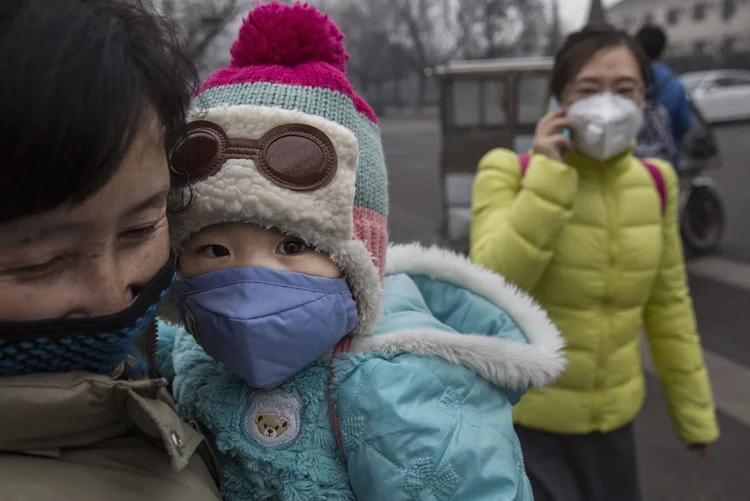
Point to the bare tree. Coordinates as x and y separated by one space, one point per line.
500 28
202 21
486 28
427 29
388 40
534 25
555 29
378 57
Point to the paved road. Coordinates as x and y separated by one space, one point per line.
734 141
721 292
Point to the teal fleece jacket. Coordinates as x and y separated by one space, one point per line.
424 403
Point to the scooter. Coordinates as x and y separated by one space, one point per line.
701 210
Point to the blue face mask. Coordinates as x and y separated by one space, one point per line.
266 325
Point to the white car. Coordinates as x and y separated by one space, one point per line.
720 95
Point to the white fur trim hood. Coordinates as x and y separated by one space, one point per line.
503 362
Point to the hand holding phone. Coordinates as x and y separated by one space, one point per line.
552 136
554 105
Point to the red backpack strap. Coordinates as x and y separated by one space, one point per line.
661 188
341 347
524 159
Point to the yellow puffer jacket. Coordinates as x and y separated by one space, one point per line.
589 242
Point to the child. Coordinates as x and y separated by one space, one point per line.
282 250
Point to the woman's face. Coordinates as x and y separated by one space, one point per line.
614 69
91 259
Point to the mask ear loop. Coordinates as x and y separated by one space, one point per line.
342 346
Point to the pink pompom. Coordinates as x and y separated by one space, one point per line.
288 35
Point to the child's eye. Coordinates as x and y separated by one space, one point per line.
291 247
214 250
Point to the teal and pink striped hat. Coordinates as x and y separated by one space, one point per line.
280 139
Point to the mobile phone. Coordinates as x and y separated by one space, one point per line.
554 105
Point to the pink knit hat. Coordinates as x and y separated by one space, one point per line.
299 149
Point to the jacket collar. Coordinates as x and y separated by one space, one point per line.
614 165
43 413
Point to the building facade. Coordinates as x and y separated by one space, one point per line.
694 27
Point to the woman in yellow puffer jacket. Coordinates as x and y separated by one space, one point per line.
592 233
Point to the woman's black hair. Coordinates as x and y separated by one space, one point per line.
581 46
77 78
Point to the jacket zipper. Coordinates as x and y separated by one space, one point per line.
611 209
149 347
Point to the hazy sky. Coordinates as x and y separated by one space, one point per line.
574 12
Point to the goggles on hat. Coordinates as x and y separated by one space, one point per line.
298 157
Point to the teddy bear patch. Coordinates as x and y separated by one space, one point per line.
271 425
274 417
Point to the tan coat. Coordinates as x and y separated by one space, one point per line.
81 437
